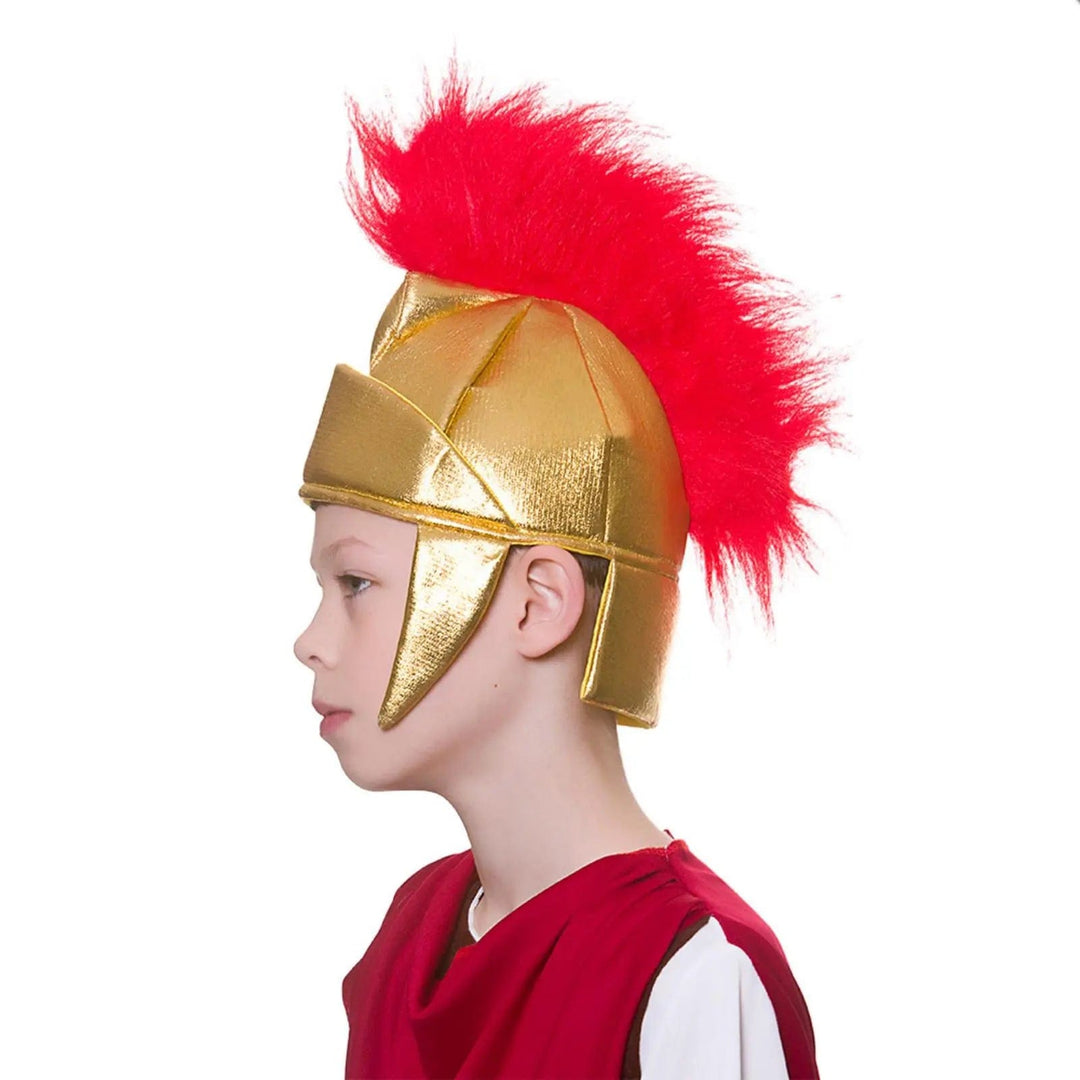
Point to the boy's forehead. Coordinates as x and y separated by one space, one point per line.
343 527
327 551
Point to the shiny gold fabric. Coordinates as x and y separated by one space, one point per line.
492 419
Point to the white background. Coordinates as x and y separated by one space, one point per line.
888 777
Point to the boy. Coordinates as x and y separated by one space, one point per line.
573 377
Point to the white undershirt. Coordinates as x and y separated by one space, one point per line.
708 1015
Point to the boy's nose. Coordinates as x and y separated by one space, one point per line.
302 651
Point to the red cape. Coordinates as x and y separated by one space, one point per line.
551 989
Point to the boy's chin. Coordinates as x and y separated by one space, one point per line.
377 768
410 755
367 775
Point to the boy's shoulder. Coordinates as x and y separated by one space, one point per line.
736 917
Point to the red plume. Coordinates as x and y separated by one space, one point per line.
514 196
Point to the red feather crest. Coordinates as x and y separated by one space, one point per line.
515 196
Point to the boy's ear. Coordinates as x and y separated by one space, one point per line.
551 600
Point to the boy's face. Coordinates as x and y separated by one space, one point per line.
363 562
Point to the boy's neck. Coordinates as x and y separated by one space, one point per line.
485 914
517 859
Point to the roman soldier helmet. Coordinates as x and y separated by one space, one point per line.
575 357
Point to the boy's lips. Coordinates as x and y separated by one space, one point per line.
326 709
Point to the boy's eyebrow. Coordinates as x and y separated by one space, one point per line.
332 549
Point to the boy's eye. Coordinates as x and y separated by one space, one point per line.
351 581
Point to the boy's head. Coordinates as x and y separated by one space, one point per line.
576 362
531 644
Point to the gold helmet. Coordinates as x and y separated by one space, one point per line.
611 379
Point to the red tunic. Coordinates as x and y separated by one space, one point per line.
552 989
